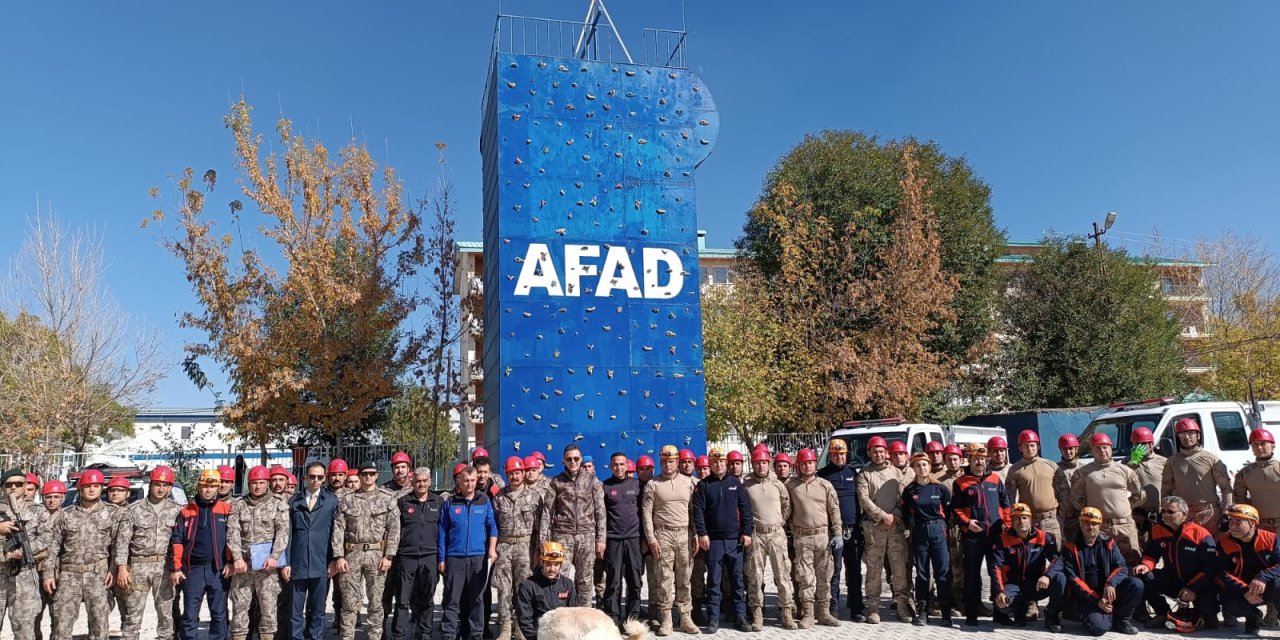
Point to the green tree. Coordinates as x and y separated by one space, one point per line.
413 419
1085 326
851 179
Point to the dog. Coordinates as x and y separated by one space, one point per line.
585 623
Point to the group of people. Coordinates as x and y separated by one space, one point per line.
1105 543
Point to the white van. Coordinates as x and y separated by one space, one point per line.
856 433
1223 425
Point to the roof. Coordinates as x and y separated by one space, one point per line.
178 414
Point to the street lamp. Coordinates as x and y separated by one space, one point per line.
1098 232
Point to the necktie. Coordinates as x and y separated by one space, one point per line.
311 502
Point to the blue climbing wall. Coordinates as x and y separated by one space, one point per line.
593 329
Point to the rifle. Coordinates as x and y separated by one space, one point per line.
18 540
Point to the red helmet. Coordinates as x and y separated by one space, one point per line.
760 446
1100 438
782 457
997 442
806 455
478 452
1068 440
702 461
1028 436
645 462
33 479
760 455
1142 435
292 481
736 456
530 462
897 446
631 465
400 456
92 476
953 449
459 468
514 463
876 441
259 473
1186 424
162 474
277 470
53 486
1261 435
934 447
686 454
226 473
118 482
338 465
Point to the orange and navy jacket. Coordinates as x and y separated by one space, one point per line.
1017 560
1188 552
1241 562
184 534
1090 568
982 499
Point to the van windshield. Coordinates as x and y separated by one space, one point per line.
1119 430
857 442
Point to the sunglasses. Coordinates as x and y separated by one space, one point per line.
15 485
315 477
1170 511
368 473
573 459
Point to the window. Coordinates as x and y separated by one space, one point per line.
917 443
936 437
186 431
716 275
1229 426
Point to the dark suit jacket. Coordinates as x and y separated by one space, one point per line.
309 549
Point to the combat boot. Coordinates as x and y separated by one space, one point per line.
904 610
664 626
823 610
757 618
266 636
922 614
785 619
1271 619
806 615
687 625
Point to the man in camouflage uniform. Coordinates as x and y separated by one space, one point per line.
145 531
1149 466
52 494
366 534
20 593
1114 489
76 568
1258 484
257 519
1069 448
401 482
815 523
578 520
1197 476
665 510
770 508
516 508
880 487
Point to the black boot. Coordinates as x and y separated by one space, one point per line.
742 625
1052 622
1253 623
1001 616
713 621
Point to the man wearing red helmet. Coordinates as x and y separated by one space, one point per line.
401 482
337 477
782 466
516 508
935 451
20 591
33 487
80 540
1030 481
702 467
257 536
144 534
880 486
1068 463
998 456
900 457
770 509
1114 489
736 463
665 508
844 478
688 463
818 532
1197 475
278 483
227 482
1149 466
1258 482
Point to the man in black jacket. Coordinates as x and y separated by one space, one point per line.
622 558
722 518
1098 576
415 562
545 590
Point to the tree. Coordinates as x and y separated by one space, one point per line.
184 458
860 329
412 419
1085 326
847 179
76 367
312 336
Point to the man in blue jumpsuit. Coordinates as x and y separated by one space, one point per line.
722 518
981 508
924 515
844 477
1027 569
1097 574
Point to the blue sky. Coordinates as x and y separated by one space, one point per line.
1163 111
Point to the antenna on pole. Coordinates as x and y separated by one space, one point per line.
588 37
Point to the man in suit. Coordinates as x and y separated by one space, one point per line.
311 515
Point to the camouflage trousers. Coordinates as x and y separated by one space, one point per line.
882 544
148 579
512 568
81 586
1125 533
672 567
1049 523
651 582
262 586
362 580
20 598
768 547
580 553
813 566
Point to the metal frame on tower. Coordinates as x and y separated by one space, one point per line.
591 25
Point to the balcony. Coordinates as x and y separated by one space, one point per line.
1195 332
1183 292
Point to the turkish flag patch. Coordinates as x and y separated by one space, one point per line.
411 509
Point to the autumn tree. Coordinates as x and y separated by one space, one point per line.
74 367
1085 326
311 335
861 325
